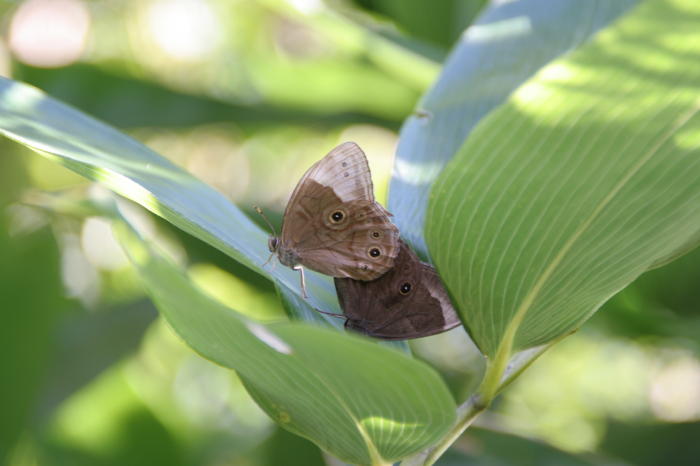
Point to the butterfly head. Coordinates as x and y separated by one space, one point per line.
287 256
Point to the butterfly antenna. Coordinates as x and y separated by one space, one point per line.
274 233
269 224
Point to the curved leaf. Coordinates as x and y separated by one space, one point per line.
508 43
362 402
129 168
586 178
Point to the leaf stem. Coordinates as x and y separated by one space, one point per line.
468 411
494 372
466 414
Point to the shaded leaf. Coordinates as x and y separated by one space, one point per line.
654 443
491 448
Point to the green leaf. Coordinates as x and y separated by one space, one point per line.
586 178
362 402
288 449
508 43
129 168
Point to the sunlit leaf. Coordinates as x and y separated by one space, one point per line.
126 166
508 43
586 178
362 402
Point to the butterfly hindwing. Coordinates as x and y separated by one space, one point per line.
409 301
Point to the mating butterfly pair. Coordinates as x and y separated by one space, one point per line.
333 225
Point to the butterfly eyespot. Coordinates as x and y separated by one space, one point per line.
364 267
337 216
405 288
374 252
376 234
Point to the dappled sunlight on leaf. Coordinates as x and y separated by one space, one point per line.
533 231
291 370
507 44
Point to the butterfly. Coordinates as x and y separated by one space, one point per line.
409 301
333 225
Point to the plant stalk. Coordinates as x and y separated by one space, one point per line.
466 414
468 411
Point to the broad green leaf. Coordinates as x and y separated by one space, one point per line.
507 44
126 166
586 178
288 449
362 402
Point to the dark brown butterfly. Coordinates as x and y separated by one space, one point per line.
333 225
409 301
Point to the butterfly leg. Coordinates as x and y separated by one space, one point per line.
268 259
303 280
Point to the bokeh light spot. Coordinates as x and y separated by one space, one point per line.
49 33
675 391
184 29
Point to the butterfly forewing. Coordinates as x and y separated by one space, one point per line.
332 223
346 170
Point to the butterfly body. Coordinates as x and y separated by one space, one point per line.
409 301
333 225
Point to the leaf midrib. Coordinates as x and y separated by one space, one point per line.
506 345
372 450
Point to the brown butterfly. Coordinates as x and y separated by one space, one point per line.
409 301
333 225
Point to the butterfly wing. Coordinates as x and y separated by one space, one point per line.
385 308
333 224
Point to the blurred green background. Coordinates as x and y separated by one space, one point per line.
246 95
